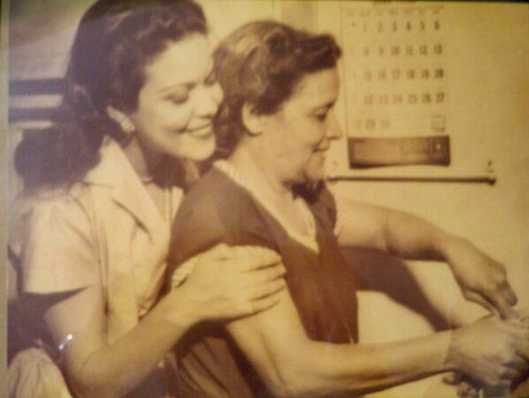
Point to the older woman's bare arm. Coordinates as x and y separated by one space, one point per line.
481 278
292 365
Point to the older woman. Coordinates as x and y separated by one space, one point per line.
275 126
101 190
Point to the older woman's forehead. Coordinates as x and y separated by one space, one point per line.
317 88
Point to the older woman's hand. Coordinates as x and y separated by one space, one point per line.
230 282
492 351
465 387
482 279
468 388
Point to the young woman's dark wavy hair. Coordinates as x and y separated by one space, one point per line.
261 64
115 41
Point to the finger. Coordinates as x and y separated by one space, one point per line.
222 251
509 374
265 303
481 300
509 293
519 364
249 264
523 351
500 299
519 330
524 315
246 264
470 390
463 389
255 267
252 252
452 378
215 253
515 325
473 392
264 275
267 289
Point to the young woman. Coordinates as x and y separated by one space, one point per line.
275 126
101 191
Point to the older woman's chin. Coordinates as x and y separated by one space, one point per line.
313 179
315 172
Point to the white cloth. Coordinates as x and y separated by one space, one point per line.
32 374
104 230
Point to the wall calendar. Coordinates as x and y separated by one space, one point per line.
395 84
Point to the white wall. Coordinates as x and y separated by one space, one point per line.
489 114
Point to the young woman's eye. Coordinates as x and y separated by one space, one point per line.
321 116
178 99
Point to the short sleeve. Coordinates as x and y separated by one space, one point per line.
207 217
57 251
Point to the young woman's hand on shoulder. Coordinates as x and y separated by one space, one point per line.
228 282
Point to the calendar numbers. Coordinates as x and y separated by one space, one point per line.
397 50
396 76
425 98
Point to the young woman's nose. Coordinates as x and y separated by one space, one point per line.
207 100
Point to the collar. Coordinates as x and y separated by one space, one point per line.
115 172
256 191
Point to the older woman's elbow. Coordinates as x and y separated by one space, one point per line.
293 383
97 393
83 389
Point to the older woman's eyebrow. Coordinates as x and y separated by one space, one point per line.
324 107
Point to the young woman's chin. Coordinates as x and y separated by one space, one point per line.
197 151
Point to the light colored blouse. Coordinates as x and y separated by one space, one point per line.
104 230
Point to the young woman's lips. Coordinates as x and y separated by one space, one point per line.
202 132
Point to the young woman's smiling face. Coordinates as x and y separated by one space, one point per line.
178 101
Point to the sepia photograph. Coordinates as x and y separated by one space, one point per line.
265 199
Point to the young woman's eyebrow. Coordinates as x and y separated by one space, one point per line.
187 85
178 86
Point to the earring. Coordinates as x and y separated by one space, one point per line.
126 125
253 133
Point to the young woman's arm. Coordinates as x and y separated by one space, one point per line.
96 368
61 279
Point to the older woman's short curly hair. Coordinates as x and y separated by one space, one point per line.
260 64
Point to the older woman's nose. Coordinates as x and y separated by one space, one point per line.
334 131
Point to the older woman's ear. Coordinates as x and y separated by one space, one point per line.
252 121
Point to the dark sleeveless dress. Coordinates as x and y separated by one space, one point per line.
322 286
